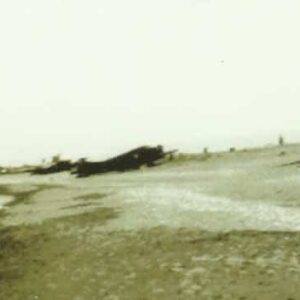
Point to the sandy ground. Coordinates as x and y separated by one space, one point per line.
226 227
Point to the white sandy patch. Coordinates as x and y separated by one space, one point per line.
170 205
4 200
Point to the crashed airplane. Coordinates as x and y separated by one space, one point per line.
132 160
61 166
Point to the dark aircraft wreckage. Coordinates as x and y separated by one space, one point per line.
132 160
60 166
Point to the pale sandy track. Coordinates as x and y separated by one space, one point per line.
179 207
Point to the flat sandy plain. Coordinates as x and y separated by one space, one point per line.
226 227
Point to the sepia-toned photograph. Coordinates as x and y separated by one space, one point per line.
150 150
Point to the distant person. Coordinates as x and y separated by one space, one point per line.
281 140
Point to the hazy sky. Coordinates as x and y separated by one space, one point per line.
95 77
